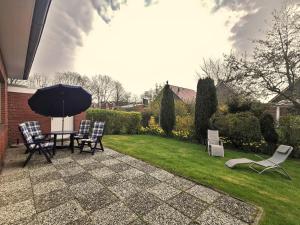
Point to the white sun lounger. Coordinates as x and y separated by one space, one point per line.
279 156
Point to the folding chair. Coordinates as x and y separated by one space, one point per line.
214 144
83 132
96 137
33 145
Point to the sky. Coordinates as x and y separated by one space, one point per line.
144 42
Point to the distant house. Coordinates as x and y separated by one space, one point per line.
279 106
188 96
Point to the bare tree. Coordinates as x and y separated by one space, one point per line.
71 78
38 81
102 88
14 81
119 92
275 64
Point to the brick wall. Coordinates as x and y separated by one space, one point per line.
18 112
77 119
3 112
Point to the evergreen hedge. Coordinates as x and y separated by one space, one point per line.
206 106
167 111
116 122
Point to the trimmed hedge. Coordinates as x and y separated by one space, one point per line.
240 128
116 122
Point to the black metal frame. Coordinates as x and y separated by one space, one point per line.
37 147
93 148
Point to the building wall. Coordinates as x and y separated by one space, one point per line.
77 119
3 112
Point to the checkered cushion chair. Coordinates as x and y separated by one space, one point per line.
32 144
34 129
84 130
95 138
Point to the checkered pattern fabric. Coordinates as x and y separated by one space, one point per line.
84 127
98 130
26 134
34 129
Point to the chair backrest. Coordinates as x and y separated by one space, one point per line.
98 130
25 134
213 135
84 127
33 128
281 154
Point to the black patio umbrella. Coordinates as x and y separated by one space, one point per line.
60 101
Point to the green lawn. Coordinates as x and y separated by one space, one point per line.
278 196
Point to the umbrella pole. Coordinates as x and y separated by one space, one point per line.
63 122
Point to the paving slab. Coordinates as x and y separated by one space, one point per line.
131 173
162 175
205 194
145 181
116 213
124 190
164 191
87 187
46 187
165 214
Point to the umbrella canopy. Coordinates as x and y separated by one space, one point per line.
60 100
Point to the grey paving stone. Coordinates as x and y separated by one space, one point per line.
162 175
214 216
41 170
62 214
46 187
239 209
124 190
119 167
18 175
101 173
14 212
52 199
78 178
46 177
131 173
144 167
165 214
71 171
86 220
94 201
127 159
110 162
116 213
66 165
93 166
85 188
57 161
142 203
101 157
17 185
180 183
86 161
188 205
164 191
145 181
11 197
205 194
112 180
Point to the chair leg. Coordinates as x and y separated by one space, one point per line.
46 155
284 173
102 148
28 158
93 149
81 146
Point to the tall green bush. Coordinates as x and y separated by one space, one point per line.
289 132
206 106
116 122
242 129
167 110
267 127
146 115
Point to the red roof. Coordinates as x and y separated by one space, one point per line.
185 94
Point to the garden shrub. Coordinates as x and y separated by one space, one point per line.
241 129
152 129
116 122
267 127
289 132
146 115
206 106
167 110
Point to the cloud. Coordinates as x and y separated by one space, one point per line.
251 26
67 23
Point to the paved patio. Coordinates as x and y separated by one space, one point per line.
108 188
